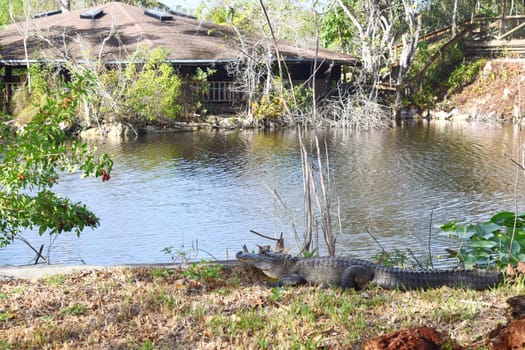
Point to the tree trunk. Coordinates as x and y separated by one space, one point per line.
454 18
65 5
503 13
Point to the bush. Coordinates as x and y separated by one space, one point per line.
152 87
433 85
268 108
32 160
465 74
497 242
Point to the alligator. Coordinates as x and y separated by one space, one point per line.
356 273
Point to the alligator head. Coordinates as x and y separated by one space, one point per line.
274 265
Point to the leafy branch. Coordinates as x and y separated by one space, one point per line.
33 158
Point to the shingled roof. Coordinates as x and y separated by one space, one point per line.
121 28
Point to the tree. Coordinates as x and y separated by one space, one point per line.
146 89
383 34
32 160
153 86
291 20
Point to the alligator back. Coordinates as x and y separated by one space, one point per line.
331 270
397 278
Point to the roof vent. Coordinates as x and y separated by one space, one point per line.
182 14
163 16
92 14
47 13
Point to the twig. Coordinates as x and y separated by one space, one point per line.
265 236
429 238
375 239
518 164
207 252
39 255
414 257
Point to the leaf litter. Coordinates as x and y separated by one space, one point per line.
123 308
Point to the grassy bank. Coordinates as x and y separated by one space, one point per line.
233 308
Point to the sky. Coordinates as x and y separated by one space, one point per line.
182 5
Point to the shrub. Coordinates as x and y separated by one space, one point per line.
465 74
152 86
268 107
32 160
499 241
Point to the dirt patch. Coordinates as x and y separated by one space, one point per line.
509 337
498 92
421 338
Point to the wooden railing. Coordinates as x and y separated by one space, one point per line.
497 36
497 28
217 91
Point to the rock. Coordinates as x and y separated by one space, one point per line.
228 123
420 338
110 131
441 115
487 70
517 306
458 116
506 94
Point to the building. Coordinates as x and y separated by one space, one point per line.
109 33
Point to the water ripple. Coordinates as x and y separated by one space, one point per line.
210 187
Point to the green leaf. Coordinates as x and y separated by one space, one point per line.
486 229
520 257
516 248
448 226
484 244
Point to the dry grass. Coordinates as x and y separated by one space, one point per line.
153 309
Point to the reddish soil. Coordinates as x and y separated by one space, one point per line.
508 337
421 338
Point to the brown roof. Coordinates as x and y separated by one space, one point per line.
189 40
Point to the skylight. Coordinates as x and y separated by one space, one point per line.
92 14
163 16
47 13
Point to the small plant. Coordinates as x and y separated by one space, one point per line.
203 271
391 258
402 258
177 255
268 107
276 294
497 242
55 280
4 316
147 345
161 273
182 254
75 309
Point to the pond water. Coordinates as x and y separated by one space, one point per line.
208 189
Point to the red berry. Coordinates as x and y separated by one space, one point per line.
105 175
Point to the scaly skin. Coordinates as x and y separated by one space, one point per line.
357 273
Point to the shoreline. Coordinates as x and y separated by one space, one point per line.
36 272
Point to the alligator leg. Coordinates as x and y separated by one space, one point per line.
291 280
356 277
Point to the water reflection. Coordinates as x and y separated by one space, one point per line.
215 186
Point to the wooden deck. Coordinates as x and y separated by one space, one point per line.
493 37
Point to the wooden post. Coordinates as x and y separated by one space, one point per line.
503 11
8 77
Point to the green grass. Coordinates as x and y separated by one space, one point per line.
144 309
